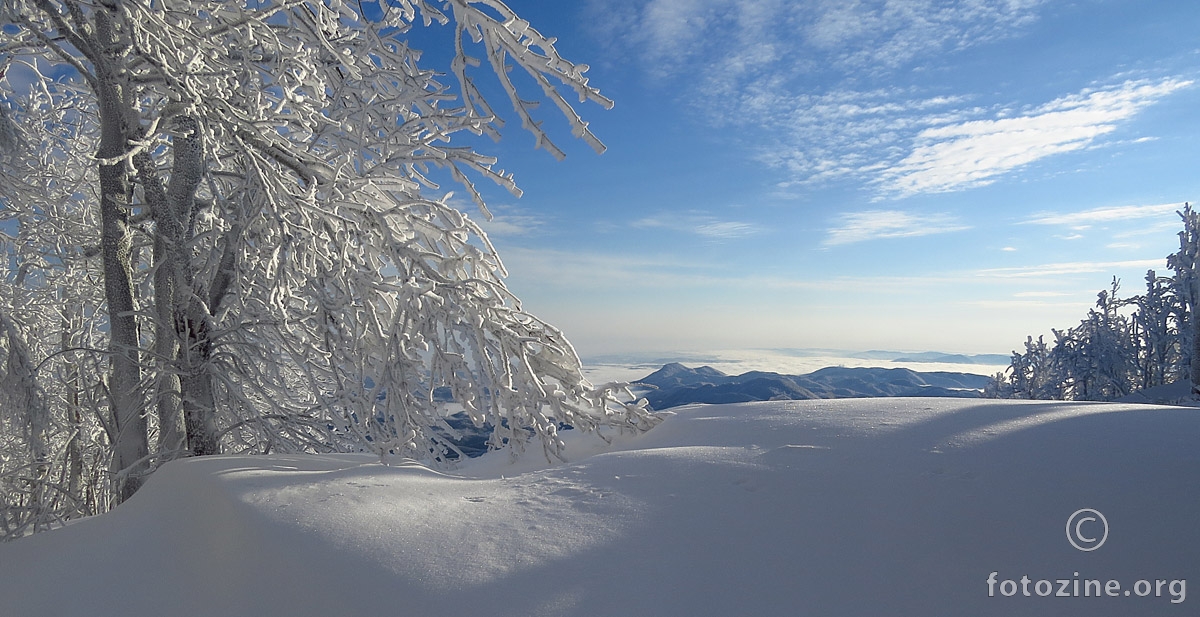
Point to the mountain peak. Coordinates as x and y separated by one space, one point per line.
675 374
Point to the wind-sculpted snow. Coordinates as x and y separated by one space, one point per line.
832 507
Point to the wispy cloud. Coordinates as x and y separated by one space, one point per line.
1086 218
976 152
580 270
877 224
700 224
591 271
903 143
515 223
1009 305
1117 225
813 85
742 35
846 133
1042 294
1066 268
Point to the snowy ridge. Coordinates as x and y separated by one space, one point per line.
830 507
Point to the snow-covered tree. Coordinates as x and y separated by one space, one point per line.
1186 264
264 259
53 435
1123 345
1031 375
1157 322
1099 358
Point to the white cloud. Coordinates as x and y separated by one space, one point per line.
546 269
1042 294
1104 215
726 230
510 221
877 224
1117 225
671 29
1065 268
892 33
700 224
845 133
742 35
813 86
1009 305
975 153
567 273
1155 228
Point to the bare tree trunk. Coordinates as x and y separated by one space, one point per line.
131 446
70 376
199 401
186 387
183 319
195 358
191 314
172 439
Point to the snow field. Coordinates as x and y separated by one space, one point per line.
835 507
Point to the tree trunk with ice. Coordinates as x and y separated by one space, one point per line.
311 284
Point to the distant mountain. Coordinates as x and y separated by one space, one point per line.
945 358
902 378
675 374
677 385
778 388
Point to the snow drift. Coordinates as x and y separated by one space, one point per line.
841 507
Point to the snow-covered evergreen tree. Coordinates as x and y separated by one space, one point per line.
1157 322
1099 359
1034 374
1123 345
1186 264
260 254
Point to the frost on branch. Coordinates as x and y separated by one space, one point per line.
384 301
223 212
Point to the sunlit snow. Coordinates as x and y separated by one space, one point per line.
844 507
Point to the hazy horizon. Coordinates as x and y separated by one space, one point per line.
636 365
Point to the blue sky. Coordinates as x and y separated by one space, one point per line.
908 174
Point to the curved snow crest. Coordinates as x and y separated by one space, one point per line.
847 507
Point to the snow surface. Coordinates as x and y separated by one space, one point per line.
1178 393
833 507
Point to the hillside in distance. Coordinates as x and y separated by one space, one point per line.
675 384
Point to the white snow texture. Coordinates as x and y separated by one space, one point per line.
843 507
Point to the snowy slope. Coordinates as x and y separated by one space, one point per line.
843 507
